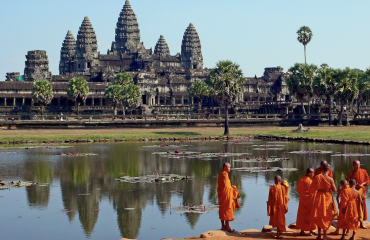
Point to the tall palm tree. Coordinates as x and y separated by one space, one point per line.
131 97
304 37
114 95
225 82
363 88
324 86
42 92
77 89
199 90
300 82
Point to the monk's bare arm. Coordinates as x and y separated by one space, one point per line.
333 187
338 199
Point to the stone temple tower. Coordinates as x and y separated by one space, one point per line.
161 48
67 54
127 38
37 66
191 50
87 55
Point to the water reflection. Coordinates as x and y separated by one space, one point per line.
88 182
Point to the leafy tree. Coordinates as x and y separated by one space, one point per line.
304 37
300 82
42 92
199 90
324 86
364 89
346 87
225 83
123 79
114 95
131 97
77 90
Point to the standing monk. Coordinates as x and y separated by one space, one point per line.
362 179
277 206
350 204
321 169
227 196
305 204
323 208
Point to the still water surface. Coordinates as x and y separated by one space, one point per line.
37 212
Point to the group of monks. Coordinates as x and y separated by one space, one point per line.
317 208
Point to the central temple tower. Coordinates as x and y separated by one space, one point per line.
127 38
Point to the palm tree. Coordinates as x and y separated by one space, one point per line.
225 83
42 92
300 82
123 79
364 89
304 37
346 88
114 95
324 86
77 89
131 97
199 90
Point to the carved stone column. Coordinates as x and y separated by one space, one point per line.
101 102
23 101
92 102
59 102
32 102
14 102
5 102
182 100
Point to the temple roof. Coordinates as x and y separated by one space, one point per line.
86 38
191 42
161 48
67 52
127 30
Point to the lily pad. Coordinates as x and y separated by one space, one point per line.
262 159
314 151
264 169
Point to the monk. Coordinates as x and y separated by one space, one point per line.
227 196
305 204
323 208
362 179
277 206
321 169
349 205
343 187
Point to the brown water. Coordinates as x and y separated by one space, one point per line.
37 212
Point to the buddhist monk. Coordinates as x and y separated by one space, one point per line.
305 204
227 196
349 205
343 186
362 179
277 206
323 208
321 169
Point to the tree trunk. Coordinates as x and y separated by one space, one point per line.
329 107
340 123
303 109
199 105
78 111
358 106
226 133
305 54
123 111
309 107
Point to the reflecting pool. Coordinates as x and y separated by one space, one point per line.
79 196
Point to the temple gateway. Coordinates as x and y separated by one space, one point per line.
164 79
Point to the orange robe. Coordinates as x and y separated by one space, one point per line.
341 191
278 205
350 201
361 176
226 197
305 204
321 170
323 208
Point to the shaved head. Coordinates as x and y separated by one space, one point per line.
226 164
343 182
322 163
327 167
309 170
352 182
356 165
277 178
227 167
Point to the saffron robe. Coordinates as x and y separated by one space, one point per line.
278 204
305 205
341 191
361 176
324 209
350 201
321 170
226 197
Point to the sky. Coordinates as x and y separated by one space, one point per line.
255 34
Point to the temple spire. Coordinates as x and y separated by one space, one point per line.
191 49
67 54
161 48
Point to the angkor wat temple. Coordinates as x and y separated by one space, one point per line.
164 79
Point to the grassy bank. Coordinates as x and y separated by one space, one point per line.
358 133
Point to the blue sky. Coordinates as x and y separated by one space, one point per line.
256 34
